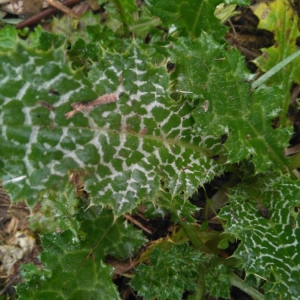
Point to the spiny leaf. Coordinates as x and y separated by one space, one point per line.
48 41
190 17
262 214
73 30
180 208
122 149
218 78
217 280
76 266
8 37
169 274
120 15
83 53
106 235
56 213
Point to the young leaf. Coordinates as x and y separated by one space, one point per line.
8 38
122 149
48 41
217 280
262 215
106 235
190 17
224 13
74 274
120 15
73 30
56 213
180 208
218 78
170 273
76 266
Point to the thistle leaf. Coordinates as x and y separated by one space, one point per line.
262 214
77 267
122 149
191 18
166 277
56 212
217 280
8 38
218 77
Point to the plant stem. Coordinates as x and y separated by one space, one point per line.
294 161
284 121
146 25
235 280
239 283
194 238
123 16
200 286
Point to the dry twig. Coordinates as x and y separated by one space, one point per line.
63 8
43 14
89 105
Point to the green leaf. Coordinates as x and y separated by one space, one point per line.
274 70
279 18
106 235
146 25
30 270
224 13
191 18
180 208
48 41
77 267
262 215
170 273
74 275
82 54
217 280
56 213
106 38
8 38
120 14
74 29
122 148
218 77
